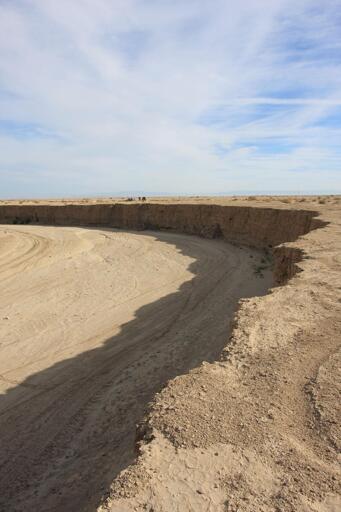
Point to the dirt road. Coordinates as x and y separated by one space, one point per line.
92 324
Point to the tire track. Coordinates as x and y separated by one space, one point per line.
77 389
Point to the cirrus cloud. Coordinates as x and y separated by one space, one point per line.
169 97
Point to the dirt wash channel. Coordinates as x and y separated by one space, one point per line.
96 321
93 323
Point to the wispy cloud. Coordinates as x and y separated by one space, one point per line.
329 102
172 96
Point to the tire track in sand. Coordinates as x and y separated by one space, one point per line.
151 306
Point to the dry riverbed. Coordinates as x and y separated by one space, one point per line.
93 323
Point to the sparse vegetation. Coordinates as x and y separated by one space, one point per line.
265 264
259 269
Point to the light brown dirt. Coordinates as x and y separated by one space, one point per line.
260 429
93 323
253 428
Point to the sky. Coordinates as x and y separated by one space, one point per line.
120 97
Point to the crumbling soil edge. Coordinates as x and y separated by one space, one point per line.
285 264
286 259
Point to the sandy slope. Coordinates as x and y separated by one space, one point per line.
92 324
259 429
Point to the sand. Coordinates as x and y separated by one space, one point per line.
93 323
259 429
157 371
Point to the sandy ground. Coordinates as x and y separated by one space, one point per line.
259 429
93 323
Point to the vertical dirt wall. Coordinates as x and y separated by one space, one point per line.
258 227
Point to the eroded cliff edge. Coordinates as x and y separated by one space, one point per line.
258 227
257 429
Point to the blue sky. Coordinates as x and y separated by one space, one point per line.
169 96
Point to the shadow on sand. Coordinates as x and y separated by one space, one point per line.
68 430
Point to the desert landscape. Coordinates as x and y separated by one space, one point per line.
174 354
170 256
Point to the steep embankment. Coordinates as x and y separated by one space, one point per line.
258 429
255 430
258 227
253 226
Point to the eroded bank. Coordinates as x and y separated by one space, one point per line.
265 228
254 400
